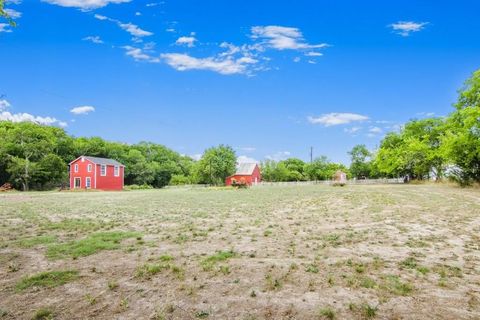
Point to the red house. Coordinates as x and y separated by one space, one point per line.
96 173
248 173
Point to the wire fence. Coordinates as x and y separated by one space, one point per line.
301 183
330 182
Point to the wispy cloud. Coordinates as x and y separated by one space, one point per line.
94 39
134 30
14 14
5 27
186 41
375 130
85 4
4 104
352 130
283 38
140 55
82 110
278 156
228 65
333 119
246 159
404 28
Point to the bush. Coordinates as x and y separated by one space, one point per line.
138 187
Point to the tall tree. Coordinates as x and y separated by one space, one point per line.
216 164
360 161
461 142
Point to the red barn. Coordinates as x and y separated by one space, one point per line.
96 173
248 173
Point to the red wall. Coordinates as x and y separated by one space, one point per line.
82 173
249 179
108 182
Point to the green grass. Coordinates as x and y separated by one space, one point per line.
48 279
43 314
209 262
35 241
395 285
90 245
327 313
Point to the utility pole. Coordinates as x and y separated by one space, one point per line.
311 154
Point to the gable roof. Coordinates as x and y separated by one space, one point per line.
245 168
101 161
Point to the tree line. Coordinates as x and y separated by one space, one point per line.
436 147
36 157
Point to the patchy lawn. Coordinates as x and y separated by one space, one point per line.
293 252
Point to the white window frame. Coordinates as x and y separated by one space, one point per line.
88 182
75 167
89 167
75 183
103 170
116 171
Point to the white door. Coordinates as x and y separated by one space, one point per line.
88 183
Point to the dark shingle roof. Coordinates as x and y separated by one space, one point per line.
105 161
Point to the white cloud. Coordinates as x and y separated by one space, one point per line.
4 27
313 54
278 156
82 110
404 28
333 119
94 39
297 59
170 30
375 130
183 62
283 38
14 14
138 13
352 130
139 55
186 41
26 117
245 159
84 4
100 17
134 30
4 104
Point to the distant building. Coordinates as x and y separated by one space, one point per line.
96 173
247 173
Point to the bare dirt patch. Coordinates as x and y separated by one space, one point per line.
306 252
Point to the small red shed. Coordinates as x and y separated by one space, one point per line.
248 173
96 173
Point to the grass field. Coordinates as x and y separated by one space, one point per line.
306 252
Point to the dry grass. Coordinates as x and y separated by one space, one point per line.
306 252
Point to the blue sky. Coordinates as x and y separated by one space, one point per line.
269 78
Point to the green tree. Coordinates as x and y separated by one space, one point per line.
360 161
4 14
216 164
414 151
461 144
